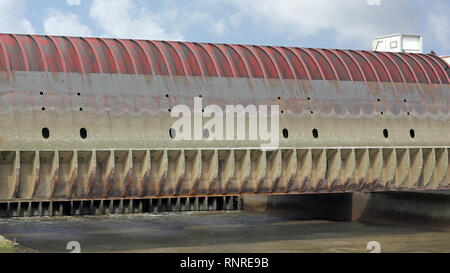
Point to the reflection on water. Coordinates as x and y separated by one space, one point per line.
232 231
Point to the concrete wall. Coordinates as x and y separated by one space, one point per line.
420 209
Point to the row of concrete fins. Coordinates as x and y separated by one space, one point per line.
162 173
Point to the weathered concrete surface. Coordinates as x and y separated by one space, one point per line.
422 209
429 210
310 206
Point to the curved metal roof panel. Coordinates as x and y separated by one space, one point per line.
125 56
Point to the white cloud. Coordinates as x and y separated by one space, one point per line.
373 2
12 17
439 30
345 20
73 2
60 23
122 19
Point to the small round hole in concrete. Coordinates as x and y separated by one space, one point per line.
172 133
83 133
412 133
315 133
205 133
385 133
45 132
285 133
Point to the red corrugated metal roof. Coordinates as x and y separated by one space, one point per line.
100 55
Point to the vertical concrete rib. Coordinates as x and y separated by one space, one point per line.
35 173
7 175
334 167
362 169
127 173
54 174
319 170
389 168
241 172
158 172
288 171
415 169
375 168
106 163
175 172
16 175
440 168
348 168
429 163
403 166
193 172
226 170
273 170
72 175
143 177
303 176
258 167
209 173
446 180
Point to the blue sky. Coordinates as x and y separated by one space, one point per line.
305 23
